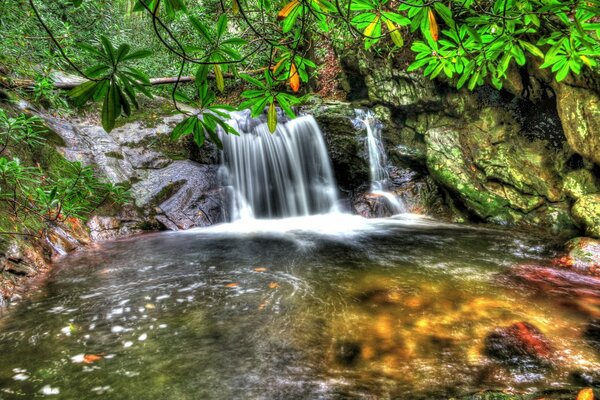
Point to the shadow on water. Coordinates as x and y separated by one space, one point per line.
329 307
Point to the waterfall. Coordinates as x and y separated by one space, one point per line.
380 178
275 175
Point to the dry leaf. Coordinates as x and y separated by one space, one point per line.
586 394
273 285
90 358
260 269
232 285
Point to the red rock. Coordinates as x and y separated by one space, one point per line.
520 343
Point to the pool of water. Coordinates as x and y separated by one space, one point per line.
327 307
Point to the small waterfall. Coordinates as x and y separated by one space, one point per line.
284 174
380 178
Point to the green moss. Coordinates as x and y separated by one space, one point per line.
114 154
586 211
580 183
150 114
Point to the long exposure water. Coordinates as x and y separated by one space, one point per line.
319 307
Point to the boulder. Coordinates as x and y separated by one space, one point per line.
580 183
183 195
583 256
498 174
520 344
579 111
586 211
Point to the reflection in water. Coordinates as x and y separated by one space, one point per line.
329 307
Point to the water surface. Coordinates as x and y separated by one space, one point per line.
324 307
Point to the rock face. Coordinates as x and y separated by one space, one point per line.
583 256
519 344
579 111
524 156
168 188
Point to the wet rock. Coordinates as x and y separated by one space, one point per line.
141 158
64 239
592 334
585 378
371 205
586 211
345 144
185 194
519 344
571 289
583 256
579 111
347 352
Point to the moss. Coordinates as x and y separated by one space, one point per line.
114 154
586 211
580 183
150 114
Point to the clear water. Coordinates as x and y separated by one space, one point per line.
263 310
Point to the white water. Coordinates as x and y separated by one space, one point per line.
284 174
378 162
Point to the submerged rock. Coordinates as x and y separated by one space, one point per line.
519 344
592 335
572 290
347 352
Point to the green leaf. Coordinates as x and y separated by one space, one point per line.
272 118
219 78
111 107
96 70
122 52
82 93
108 49
201 28
221 25
184 127
531 48
136 55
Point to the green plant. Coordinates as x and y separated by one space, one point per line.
20 130
266 93
206 121
112 80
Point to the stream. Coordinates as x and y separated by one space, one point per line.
321 307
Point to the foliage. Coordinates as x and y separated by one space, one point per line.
32 196
112 80
467 42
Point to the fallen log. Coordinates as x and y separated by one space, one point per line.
66 82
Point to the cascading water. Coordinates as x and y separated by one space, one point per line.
277 175
378 161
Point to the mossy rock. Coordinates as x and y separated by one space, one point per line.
580 183
586 211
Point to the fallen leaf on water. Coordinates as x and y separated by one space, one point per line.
260 269
586 394
150 306
273 285
90 358
234 284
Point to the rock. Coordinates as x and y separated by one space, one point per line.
141 158
370 205
583 256
579 111
65 239
186 194
347 352
499 175
586 211
571 289
519 344
592 334
580 183
345 145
